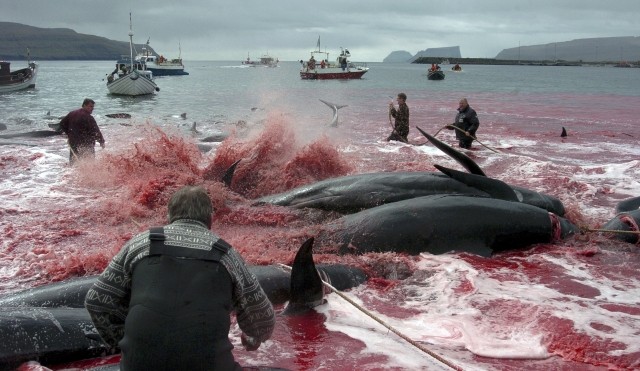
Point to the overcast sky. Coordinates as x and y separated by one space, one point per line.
289 30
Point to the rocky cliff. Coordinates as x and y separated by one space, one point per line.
405 56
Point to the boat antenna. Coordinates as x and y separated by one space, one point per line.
130 42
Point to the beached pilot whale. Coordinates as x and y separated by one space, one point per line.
354 193
444 223
629 204
32 134
50 324
626 221
334 107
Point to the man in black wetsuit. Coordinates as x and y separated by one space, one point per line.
165 299
467 124
401 114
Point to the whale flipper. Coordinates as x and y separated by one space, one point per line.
494 187
460 157
564 132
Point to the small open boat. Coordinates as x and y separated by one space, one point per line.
435 75
21 79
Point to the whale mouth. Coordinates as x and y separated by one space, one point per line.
556 228
633 226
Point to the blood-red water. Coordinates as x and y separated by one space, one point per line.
53 231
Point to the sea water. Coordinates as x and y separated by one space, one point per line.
568 305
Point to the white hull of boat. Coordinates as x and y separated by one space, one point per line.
132 84
16 84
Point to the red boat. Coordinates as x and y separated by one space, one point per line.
318 67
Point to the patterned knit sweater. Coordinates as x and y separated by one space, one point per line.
108 300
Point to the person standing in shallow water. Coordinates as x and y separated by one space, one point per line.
466 124
82 132
401 114
165 300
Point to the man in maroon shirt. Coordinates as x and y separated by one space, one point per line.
82 131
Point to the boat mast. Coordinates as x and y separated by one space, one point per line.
130 43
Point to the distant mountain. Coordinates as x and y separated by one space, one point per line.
57 44
446 52
399 56
405 56
602 49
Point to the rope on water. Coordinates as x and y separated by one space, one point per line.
611 231
389 327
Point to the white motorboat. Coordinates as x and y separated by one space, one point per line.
131 78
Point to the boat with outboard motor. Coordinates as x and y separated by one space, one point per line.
21 79
130 78
435 73
342 68
158 64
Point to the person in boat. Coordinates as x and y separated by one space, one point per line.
166 298
433 67
343 62
82 132
401 115
311 65
322 64
466 124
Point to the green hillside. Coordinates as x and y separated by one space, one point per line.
56 44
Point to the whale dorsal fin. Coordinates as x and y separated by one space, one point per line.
307 289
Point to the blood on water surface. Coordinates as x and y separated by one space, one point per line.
571 305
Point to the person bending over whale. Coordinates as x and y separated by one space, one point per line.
82 131
466 123
166 298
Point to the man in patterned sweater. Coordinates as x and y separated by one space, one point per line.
165 299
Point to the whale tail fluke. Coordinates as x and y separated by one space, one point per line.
334 107
564 132
307 289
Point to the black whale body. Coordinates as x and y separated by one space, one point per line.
444 223
354 193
